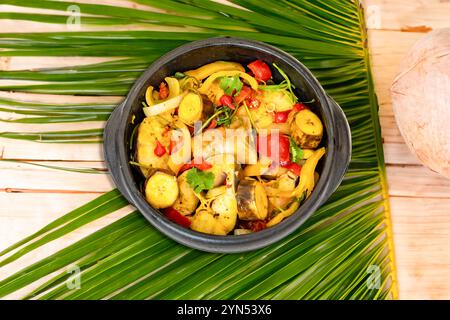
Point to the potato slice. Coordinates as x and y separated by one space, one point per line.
252 200
161 190
187 201
221 218
307 129
276 100
149 132
261 117
191 108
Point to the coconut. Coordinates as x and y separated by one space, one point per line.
421 100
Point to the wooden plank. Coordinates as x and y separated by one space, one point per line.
21 177
422 246
387 49
30 63
399 153
28 212
419 198
417 181
404 14
54 98
14 149
389 130
25 127
24 213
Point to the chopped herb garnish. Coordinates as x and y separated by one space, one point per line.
200 180
296 151
231 85
226 117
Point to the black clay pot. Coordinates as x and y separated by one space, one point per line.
332 167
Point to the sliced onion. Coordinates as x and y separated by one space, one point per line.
163 106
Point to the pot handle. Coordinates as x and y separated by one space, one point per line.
343 146
110 148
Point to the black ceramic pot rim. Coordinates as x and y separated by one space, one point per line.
117 158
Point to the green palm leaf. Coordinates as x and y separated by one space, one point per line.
327 258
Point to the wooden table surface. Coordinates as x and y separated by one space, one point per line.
31 197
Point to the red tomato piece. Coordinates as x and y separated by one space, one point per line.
226 100
174 216
163 91
246 92
203 165
299 106
261 70
159 149
268 144
212 124
293 167
281 117
253 103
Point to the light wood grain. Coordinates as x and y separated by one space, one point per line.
422 241
401 14
417 181
11 149
420 199
42 179
33 211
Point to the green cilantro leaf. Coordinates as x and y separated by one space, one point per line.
296 151
200 180
226 117
231 84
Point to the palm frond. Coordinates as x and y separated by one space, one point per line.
327 258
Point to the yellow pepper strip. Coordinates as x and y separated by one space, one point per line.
307 174
284 214
208 82
306 184
149 96
208 69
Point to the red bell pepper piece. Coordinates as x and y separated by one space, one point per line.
293 167
299 106
159 149
163 91
270 141
174 216
281 117
245 93
203 165
261 70
226 100
212 124
253 103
